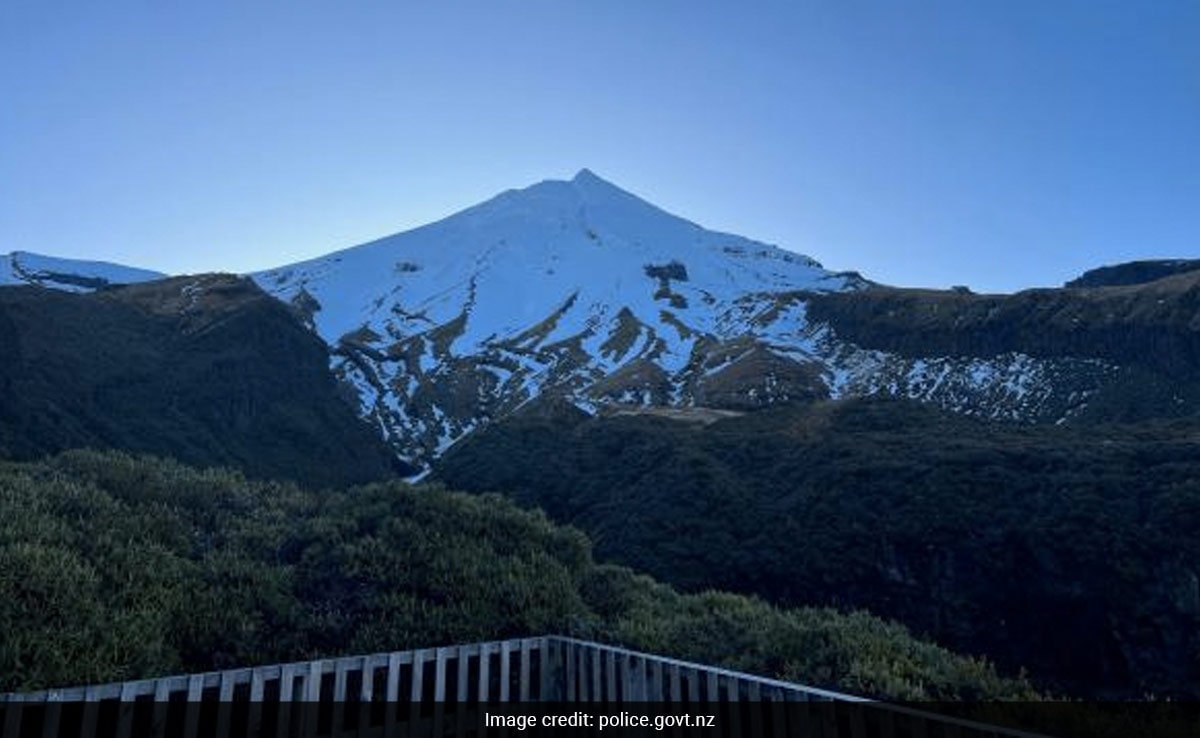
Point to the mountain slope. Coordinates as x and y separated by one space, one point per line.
71 275
1070 551
1134 351
208 370
577 289
1134 272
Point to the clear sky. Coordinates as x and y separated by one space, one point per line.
996 143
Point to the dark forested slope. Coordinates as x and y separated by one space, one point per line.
1068 551
1134 272
209 370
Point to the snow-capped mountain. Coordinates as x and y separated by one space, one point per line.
580 290
71 275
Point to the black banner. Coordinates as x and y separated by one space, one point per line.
179 718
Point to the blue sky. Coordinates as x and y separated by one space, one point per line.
997 144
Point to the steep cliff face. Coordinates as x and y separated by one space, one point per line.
206 369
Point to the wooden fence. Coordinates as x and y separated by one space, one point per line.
436 691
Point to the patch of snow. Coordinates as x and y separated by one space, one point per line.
69 275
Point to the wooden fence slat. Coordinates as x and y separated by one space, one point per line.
610 676
439 678
549 686
162 697
229 680
463 689
391 695
312 697
419 688
597 684
258 688
524 674
693 678
225 704
485 662
569 680
754 691
341 678
129 692
91 712
441 657
583 672
584 660
312 681
287 693
417 692
656 681
53 714
195 692
393 678
733 688
366 693
505 669
366 690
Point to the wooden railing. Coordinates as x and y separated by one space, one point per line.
429 692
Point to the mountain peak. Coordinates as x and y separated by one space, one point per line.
591 186
587 176
564 286
594 189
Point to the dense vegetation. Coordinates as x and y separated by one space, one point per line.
209 370
114 567
1134 272
1069 552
